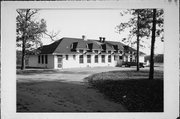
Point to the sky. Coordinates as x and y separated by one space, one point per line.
92 23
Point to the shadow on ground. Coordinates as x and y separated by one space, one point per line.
56 96
138 95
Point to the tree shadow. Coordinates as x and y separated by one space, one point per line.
138 95
58 96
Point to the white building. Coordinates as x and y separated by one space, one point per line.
74 52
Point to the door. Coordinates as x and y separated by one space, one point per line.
59 63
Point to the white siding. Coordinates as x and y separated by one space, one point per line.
72 63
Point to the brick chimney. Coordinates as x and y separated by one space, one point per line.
103 39
84 37
100 39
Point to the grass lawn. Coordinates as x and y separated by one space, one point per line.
132 89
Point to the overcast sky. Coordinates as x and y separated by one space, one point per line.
92 23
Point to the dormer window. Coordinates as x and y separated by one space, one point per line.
95 51
81 51
73 45
121 51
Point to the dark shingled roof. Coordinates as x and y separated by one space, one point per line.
69 46
64 45
49 49
94 44
119 45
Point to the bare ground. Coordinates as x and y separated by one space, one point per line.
55 96
63 91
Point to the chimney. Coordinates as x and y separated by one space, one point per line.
103 39
84 37
100 39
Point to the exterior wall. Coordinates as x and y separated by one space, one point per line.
72 63
33 62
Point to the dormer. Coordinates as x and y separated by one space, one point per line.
120 51
96 51
73 46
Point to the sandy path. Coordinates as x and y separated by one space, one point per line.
67 75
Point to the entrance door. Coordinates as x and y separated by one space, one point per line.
59 63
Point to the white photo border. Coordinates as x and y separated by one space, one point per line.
171 57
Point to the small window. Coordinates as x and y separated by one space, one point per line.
66 57
81 51
120 57
126 58
88 58
74 57
39 59
96 51
121 51
109 58
131 59
96 58
109 52
42 58
103 58
81 60
46 59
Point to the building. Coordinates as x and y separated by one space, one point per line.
82 52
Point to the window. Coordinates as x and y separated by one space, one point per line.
66 57
39 59
96 51
121 51
120 57
81 51
81 59
46 59
126 58
74 57
130 59
42 59
114 57
103 58
109 58
88 58
109 52
96 58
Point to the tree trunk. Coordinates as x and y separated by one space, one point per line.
23 55
137 65
151 72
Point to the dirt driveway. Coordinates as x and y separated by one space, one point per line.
66 75
62 91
